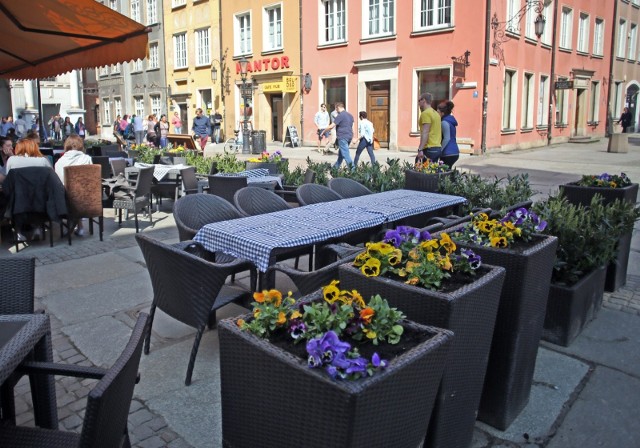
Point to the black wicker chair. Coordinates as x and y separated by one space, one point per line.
315 193
136 198
105 417
348 188
288 192
252 201
118 166
103 161
189 180
226 186
188 288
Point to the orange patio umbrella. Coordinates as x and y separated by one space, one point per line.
43 38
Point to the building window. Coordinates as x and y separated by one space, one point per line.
530 29
115 69
154 61
113 4
138 102
543 101
431 14
155 105
513 26
243 34
622 38
176 3
583 33
617 98
205 101
180 50
380 20
273 28
527 101
633 37
561 106
106 109
436 82
509 101
566 27
136 66
335 90
203 52
152 12
117 106
548 28
135 10
598 37
594 106
104 71
334 26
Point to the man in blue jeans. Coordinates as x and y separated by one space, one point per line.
344 134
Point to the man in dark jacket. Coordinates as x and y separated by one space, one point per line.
201 128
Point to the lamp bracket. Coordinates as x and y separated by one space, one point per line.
512 25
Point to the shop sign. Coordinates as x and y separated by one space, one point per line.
563 84
266 64
290 84
272 87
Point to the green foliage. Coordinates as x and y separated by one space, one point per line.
202 164
376 177
146 153
480 192
228 162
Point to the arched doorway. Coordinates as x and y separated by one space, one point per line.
632 103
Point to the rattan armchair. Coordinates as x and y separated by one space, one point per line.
288 192
348 188
107 410
136 198
104 163
83 186
315 193
189 180
226 186
118 166
188 288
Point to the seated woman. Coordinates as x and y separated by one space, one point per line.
27 153
73 155
6 151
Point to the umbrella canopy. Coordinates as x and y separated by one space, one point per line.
42 38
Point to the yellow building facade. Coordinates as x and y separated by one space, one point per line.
267 35
192 55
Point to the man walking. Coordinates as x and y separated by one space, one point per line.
343 124
321 120
138 129
201 128
430 131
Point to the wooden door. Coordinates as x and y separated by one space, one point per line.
276 118
578 122
378 109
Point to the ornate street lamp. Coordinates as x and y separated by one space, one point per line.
512 24
245 128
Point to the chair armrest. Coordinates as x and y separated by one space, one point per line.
51 368
342 250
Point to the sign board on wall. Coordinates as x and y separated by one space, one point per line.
290 84
272 87
563 85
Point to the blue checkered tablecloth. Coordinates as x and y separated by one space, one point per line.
159 171
255 237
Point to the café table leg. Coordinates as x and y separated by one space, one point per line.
43 388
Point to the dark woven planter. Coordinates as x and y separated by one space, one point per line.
570 308
617 269
414 180
518 328
470 313
291 405
577 194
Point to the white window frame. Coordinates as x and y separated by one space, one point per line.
103 71
379 18
509 99
549 26
106 111
117 106
273 31
562 108
113 4
622 39
332 22
594 105
156 105
152 12
116 68
135 11
530 27
138 102
203 47
136 66
583 33
566 28
513 26
180 54
633 39
528 88
543 101
618 98
154 56
598 37
438 15
242 30
178 3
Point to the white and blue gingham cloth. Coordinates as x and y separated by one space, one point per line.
159 171
257 176
255 237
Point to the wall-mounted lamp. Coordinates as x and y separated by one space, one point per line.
307 82
225 74
512 24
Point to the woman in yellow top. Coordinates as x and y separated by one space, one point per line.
430 131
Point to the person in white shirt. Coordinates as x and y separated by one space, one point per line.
322 120
20 126
365 135
27 154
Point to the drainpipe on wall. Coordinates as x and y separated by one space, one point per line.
609 122
485 81
553 70
224 104
301 78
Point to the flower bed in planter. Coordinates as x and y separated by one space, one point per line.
570 308
415 180
273 389
470 313
577 194
271 166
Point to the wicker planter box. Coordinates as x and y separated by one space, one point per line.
470 313
577 194
291 405
570 308
617 269
518 328
414 180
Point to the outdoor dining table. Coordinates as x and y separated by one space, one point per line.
159 170
258 238
28 337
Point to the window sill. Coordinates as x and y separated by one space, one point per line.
593 123
526 130
512 34
507 131
153 69
582 53
343 43
620 59
237 57
597 56
531 40
178 7
565 50
447 29
366 40
273 51
561 125
633 61
542 127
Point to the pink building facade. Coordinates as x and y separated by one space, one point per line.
379 56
